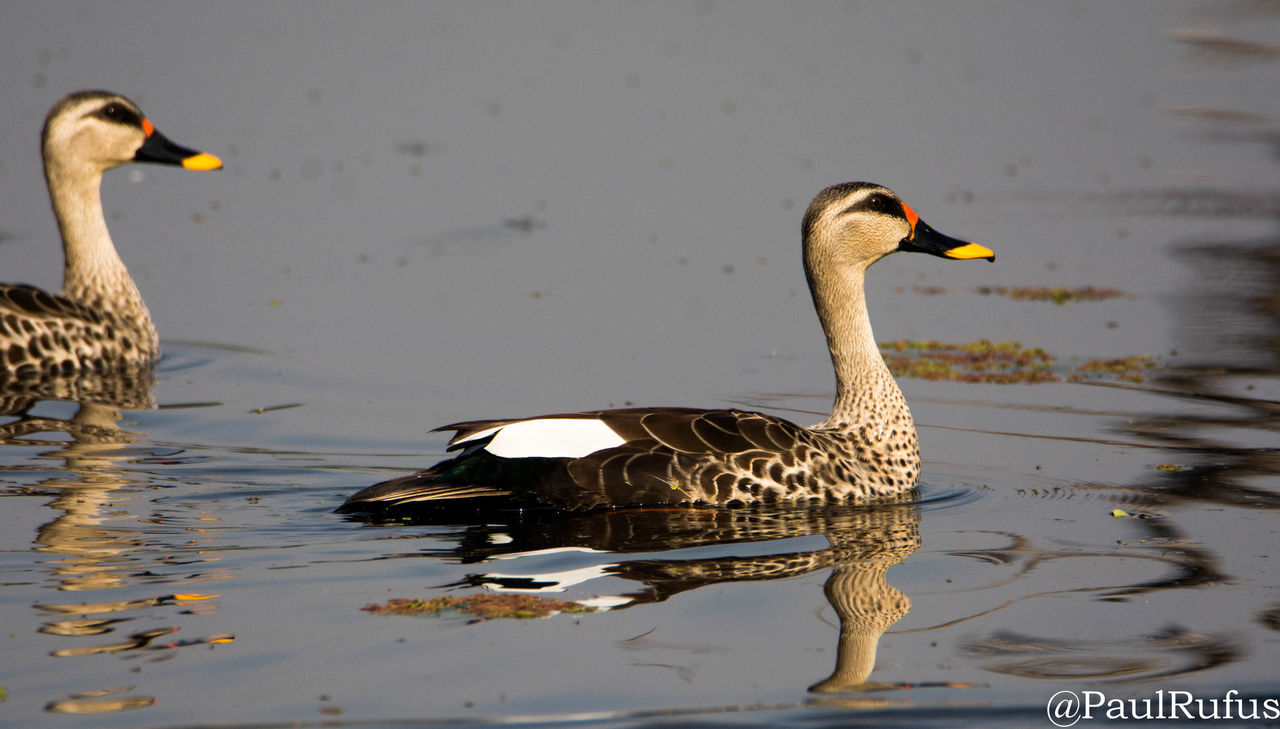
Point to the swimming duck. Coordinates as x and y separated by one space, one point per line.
99 321
674 455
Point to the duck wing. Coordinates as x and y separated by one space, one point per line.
606 458
42 333
24 301
683 455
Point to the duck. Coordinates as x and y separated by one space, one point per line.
678 456
98 322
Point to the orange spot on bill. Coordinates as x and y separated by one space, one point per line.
912 218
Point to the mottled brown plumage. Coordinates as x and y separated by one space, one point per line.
649 456
99 322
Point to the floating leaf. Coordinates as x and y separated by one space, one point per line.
1122 514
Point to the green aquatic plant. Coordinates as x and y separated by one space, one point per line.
981 361
1001 363
1057 294
1128 369
482 607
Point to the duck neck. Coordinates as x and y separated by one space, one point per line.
93 273
866 393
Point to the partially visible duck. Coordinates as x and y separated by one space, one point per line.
673 455
99 321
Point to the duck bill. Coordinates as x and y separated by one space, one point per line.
160 150
924 239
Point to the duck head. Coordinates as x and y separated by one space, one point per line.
855 224
101 130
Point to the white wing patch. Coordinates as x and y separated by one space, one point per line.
549 438
548 581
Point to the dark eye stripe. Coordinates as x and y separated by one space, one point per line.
119 114
877 203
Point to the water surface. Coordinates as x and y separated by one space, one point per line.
438 212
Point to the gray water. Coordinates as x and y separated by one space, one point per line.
435 212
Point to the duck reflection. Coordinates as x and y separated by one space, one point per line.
862 542
126 388
82 491
89 491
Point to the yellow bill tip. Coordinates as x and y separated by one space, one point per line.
202 161
971 250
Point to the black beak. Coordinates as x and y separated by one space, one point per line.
924 239
159 149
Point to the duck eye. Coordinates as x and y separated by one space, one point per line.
119 114
878 203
